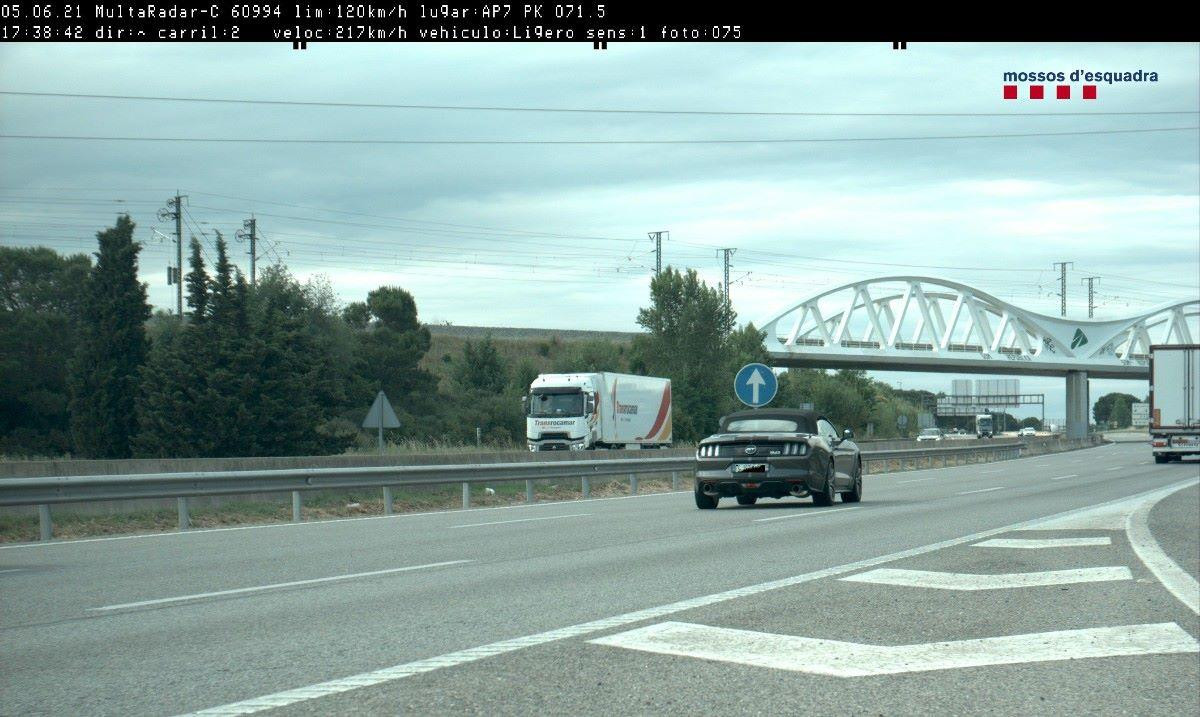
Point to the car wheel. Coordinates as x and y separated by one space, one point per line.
747 499
826 497
855 495
705 502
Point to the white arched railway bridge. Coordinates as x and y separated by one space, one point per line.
919 323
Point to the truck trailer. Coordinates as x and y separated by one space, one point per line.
1174 401
583 411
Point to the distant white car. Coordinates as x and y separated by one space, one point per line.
1027 431
931 434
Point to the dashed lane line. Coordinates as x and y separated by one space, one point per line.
275 586
521 520
1073 475
981 490
814 513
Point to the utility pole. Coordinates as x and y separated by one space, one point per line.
657 237
250 231
727 253
174 210
1091 294
1062 280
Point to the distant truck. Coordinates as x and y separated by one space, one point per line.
1174 401
983 426
583 411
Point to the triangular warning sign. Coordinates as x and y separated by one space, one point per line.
381 414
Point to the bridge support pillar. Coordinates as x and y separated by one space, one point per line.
1078 403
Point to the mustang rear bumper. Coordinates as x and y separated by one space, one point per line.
772 483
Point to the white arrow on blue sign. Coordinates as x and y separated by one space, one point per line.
755 385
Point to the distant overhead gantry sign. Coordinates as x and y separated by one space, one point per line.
918 323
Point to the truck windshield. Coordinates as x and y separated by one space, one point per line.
556 404
930 432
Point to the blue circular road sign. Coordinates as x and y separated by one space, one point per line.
755 385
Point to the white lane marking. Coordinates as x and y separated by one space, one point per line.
804 514
260 588
852 659
1174 578
917 480
981 490
1114 468
974 581
1001 470
1041 465
1040 543
1073 475
407 669
521 520
11 570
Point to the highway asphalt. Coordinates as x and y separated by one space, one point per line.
961 598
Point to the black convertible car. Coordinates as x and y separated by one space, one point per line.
774 453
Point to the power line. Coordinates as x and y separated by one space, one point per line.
579 142
571 110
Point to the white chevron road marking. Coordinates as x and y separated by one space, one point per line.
974 581
1040 543
851 659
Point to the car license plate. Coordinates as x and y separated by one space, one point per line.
749 467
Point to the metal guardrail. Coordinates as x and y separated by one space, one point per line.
46 491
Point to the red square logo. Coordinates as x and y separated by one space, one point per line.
1089 92
1064 92
1036 92
1010 92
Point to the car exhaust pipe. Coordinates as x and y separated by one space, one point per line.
710 490
799 491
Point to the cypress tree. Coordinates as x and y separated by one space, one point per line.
197 284
106 369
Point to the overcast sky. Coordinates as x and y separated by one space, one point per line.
555 236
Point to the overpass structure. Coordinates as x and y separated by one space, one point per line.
920 323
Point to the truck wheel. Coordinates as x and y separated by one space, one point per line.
1160 458
747 499
705 502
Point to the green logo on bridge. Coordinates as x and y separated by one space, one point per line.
1079 339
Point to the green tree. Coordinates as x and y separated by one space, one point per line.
197 284
106 368
688 328
481 368
1102 409
1121 413
523 374
388 350
40 299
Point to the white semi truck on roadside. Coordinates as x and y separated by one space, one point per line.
1174 401
583 411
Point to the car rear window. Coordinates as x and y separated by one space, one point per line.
768 425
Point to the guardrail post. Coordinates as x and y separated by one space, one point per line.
387 500
185 520
45 527
587 487
528 491
633 484
296 503
466 495
674 480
